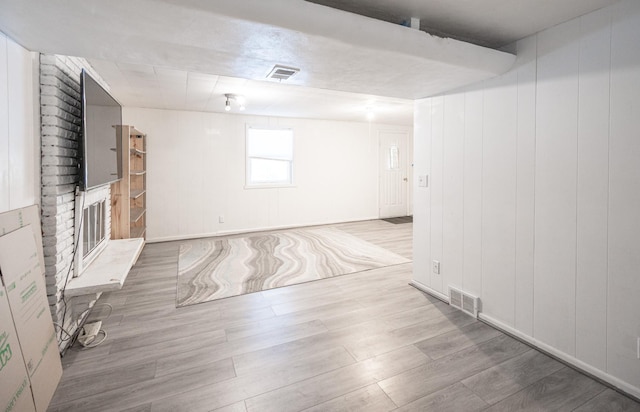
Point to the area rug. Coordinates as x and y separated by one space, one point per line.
216 268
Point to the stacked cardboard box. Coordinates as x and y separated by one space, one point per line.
29 359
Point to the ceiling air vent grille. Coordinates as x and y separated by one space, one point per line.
464 301
281 73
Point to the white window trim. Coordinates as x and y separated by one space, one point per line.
247 171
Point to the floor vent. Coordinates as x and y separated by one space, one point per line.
282 73
463 301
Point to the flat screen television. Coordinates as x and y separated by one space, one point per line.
100 148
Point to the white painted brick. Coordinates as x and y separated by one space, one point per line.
50 160
53 210
65 122
60 142
60 130
59 151
51 130
57 218
59 180
57 190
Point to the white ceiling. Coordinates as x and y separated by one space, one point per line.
491 23
185 54
148 86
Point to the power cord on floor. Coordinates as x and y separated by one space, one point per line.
63 330
92 343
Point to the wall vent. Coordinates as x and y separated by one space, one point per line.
467 303
281 73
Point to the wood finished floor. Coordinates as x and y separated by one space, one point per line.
366 341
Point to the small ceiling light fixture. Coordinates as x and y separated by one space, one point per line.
240 100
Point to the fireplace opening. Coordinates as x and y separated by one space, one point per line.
92 226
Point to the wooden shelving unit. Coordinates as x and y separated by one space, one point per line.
128 196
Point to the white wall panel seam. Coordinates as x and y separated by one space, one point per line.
9 180
482 191
577 172
606 296
464 135
535 169
442 168
515 202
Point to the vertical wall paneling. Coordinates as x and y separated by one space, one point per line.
472 208
623 313
593 188
499 197
163 217
437 135
4 126
421 196
525 181
551 192
210 185
452 190
21 135
555 186
192 171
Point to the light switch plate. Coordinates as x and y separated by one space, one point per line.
423 181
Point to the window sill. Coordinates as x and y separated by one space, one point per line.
270 186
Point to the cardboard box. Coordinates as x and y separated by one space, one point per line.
17 218
15 392
23 279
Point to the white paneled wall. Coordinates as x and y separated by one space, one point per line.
555 187
196 173
623 280
593 188
19 141
534 195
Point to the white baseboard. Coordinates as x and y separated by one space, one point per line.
577 363
432 292
251 230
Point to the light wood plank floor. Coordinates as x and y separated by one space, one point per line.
366 341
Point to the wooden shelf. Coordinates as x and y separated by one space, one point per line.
128 200
135 132
136 193
138 231
137 213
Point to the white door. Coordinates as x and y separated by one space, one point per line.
393 174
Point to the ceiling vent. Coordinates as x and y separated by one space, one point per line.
281 73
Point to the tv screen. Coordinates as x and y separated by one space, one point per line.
101 148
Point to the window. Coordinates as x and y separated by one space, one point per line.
269 157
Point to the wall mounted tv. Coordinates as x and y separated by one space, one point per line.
100 149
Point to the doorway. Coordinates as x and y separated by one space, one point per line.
393 176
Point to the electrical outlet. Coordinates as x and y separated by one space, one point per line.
436 267
220 219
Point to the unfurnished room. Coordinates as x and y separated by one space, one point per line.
319 205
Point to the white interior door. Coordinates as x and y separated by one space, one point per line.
393 174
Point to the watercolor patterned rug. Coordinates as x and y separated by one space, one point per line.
215 268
